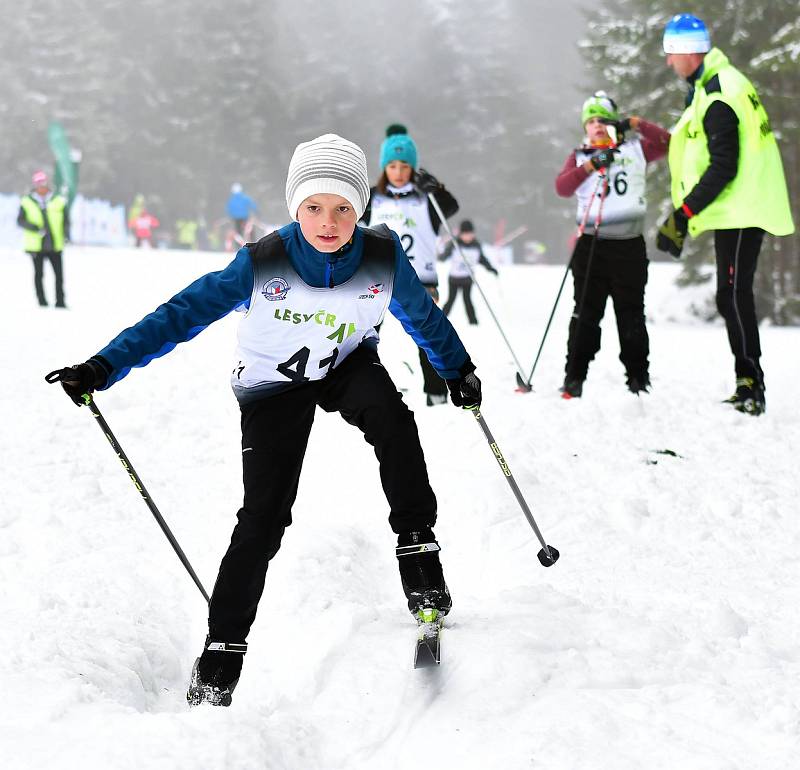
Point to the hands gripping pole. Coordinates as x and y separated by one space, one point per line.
548 555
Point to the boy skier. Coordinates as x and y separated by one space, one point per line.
294 356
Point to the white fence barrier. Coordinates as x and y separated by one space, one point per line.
94 222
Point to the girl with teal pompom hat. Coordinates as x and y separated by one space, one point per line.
400 201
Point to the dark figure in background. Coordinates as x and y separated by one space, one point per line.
240 207
460 278
44 216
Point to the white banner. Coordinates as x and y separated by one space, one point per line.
94 222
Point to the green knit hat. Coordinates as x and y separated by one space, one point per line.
599 105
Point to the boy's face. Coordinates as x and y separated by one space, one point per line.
398 173
597 131
327 221
467 236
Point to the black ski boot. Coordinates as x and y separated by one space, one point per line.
572 387
749 397
638 383
216 672
421 572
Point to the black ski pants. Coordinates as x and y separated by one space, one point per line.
38 275
275 433
618 270
464 285
737 257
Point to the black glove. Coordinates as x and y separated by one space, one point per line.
603 159
620 126
81 378
466 390
672 233
427 182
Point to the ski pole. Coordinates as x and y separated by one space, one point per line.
548 555
438 210
137 482
524 386
597 222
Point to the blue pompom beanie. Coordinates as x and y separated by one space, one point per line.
686 33
398 145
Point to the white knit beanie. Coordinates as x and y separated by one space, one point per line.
327 164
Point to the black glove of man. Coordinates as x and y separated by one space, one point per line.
603 159
620 126
82 378
672 233
466 390
427 182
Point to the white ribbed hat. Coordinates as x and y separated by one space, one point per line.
327 164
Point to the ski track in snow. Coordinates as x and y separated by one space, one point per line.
666 636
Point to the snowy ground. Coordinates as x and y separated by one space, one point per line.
665 637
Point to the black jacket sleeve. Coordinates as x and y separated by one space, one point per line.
447 203
722 129
23 222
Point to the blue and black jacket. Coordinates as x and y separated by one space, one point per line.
216 294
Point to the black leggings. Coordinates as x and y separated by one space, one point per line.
737 257
38 275
275 432
465 285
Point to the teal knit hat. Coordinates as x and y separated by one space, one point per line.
599 105
398 145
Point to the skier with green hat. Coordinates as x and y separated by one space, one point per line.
612 261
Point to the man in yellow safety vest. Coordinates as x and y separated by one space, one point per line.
727 176
44 218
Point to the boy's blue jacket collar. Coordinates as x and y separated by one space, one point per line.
318 268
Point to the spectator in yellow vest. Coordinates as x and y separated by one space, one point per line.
186 234
44 217
727 176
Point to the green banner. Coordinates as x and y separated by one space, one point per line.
65 178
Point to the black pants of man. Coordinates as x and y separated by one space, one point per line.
618 270
737 257
38 275
465 285
275 433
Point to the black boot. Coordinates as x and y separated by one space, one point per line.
749 397
639 383
572 387
421 572
216 673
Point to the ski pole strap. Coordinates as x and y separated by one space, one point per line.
238 647
416 548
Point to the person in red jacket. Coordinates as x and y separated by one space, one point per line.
143 227
610 258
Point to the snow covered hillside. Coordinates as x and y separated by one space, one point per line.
666 636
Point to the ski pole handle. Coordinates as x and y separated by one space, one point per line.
548 555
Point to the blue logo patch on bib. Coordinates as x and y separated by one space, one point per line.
275 289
